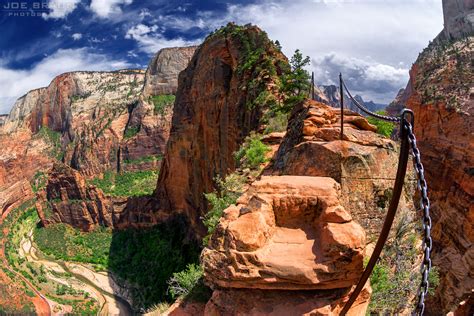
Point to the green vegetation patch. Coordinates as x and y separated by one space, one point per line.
162 102
143 258
252 152
131 183
383 127
276 122
39 181
64 242
53 138
189 284
131 131
395 277
144 159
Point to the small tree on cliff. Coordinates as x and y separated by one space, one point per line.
296 82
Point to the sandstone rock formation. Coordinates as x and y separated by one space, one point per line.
286 232
22 156
93 121
364 163
297 228
68 199
162 73
13 196
214 110
264 302
443 102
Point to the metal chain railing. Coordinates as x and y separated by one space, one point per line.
425 206
408 142
366 110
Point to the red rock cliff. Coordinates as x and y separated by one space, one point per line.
442 99
214 111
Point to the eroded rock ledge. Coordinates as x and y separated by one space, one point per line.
285 233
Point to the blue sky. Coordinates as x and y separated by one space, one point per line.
373 42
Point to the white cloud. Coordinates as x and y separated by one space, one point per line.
15 83
60 8
368 78
106 8
76 36
149 41
386 34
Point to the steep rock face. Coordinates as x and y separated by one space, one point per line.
13 196
68 199
443 102
364 163
21 110
22 155
214 111
162 74
399 103
458 18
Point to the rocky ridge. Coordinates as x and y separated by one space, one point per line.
214 111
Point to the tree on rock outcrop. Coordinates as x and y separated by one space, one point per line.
295 83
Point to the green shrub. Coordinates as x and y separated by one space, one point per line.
228 192
277 122
131 131
383 128
252 153
182 283
161 102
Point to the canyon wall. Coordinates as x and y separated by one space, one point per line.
442 99
214 111
458 18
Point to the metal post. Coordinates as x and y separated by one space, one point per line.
342 105
312 85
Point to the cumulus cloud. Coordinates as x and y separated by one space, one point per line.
106 8
387 35
371 79
150 41
16 83
76 36
60 8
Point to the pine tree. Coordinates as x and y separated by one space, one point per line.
296 81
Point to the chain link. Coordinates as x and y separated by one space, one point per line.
367 111
425 206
